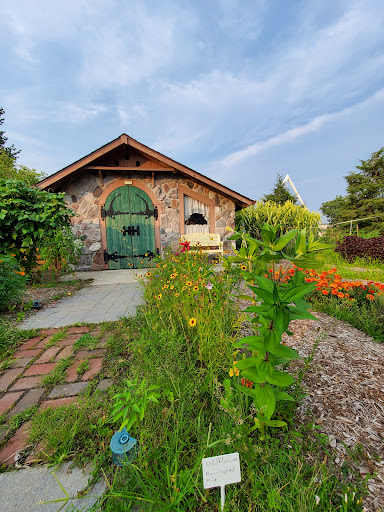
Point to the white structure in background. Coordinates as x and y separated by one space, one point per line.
287 178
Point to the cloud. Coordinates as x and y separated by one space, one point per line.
293 134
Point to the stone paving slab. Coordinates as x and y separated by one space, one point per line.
94 304
24 490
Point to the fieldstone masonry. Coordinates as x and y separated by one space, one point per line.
83 193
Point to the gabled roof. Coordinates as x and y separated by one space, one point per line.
156 162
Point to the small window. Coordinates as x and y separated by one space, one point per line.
137 164
196 216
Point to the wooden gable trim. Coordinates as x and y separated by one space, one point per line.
155 156
245 201
185 191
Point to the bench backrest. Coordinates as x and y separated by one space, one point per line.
204 239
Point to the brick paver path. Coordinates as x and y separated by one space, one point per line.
21 385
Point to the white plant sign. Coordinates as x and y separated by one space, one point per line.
220 471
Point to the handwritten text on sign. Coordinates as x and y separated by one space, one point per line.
221 470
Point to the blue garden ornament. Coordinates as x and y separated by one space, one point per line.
124 447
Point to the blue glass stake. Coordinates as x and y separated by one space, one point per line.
124 447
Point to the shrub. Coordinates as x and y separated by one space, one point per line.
12 282
60 252
285 217
353 247
26 216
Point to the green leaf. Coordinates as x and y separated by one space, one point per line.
264 368
300 314
283 396
301 244
263 294
297 292
247 362
279 378
264 283
275 423
252 375
266 399
136 408
285 352
283 240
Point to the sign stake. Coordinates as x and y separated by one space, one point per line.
222 497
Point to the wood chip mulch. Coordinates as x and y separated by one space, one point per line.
345 386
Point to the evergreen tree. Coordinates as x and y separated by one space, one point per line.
365 195
280 194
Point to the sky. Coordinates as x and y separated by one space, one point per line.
238 90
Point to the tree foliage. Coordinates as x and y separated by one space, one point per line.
27 217
365 195
10 170
10 150
280 194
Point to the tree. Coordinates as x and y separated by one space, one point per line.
10 170
10 150
28 216
332 209
365 195
280 194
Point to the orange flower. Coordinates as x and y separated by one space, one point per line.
340 295
370 297
325 292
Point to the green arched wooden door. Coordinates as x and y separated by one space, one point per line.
130 228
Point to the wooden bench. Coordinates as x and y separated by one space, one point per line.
208 242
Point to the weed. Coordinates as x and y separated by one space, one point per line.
83 367
57 375
86 341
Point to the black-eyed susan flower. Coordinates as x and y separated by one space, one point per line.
195 288
177 294
243 267
149 274
192 322
188 283
159 296
165 286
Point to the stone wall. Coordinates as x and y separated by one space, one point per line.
83 193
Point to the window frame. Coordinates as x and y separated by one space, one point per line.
185 191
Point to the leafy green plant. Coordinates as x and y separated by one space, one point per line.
83 367
27 216
283 217
57 375
275 305
130 404
60 252
12 282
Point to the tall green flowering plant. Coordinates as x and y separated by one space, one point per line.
275 304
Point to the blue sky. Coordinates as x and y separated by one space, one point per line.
238 90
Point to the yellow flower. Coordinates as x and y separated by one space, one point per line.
195 288
171 287
149 274
165 286
188 283
231 372
192 322
243 267
159 296
177 294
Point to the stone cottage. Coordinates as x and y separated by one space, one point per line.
132 202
